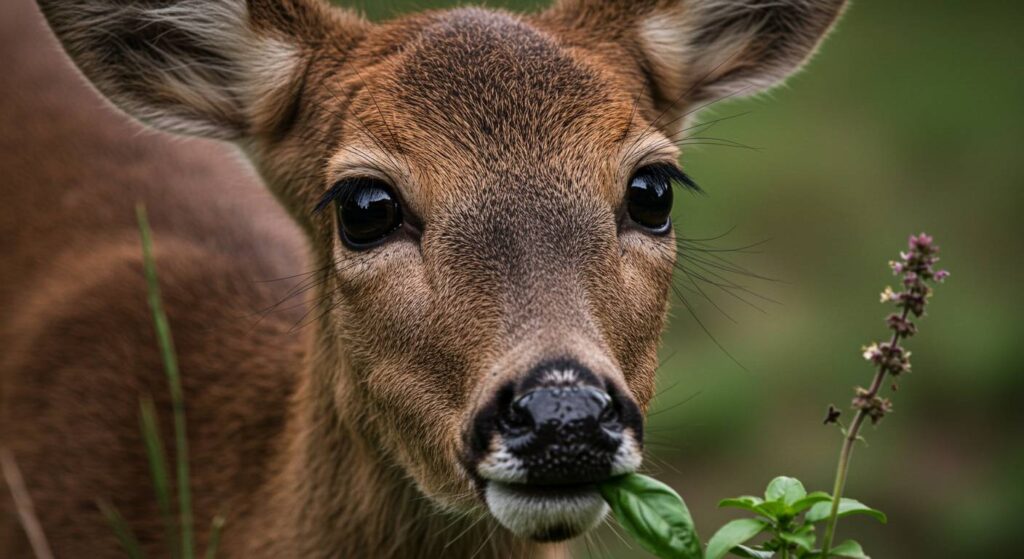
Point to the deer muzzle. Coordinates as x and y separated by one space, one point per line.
541 445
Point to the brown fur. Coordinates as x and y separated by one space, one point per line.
510 139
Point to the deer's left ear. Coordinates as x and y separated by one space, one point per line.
700 50
217 68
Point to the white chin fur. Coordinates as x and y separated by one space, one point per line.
531 514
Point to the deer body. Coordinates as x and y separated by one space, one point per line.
400 405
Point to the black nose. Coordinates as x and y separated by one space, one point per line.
565 432
563 415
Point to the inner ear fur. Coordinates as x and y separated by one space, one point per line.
696 51
215 68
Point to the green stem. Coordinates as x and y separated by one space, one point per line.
843 469
163 334
840 483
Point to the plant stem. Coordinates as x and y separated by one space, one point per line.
843 469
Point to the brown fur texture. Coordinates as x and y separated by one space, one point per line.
326 413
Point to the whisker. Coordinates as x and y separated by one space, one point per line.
684 401
730 286
703 294
380 113
728 232
651 459
486 541
611 525
714 340
462 533
632 115
683 95
708 124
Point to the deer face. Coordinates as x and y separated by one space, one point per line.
507 306
488 197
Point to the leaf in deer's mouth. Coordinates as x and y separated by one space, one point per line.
654 515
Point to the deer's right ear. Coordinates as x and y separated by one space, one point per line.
698 50
215 68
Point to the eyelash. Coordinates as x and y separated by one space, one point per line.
673 174
341 188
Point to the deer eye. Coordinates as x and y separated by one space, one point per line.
368 212
649 197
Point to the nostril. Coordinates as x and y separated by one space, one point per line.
518 420
609 414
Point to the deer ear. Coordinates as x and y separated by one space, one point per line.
216 68
700 50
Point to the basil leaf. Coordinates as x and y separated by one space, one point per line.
786 489
810 500
732 534
821 511
746 503
802 538
848 549
654 515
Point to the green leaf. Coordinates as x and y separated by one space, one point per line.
773 509
810 500
752 552
654 515
821 511
802 538
786 489
848 549
745 502
733 534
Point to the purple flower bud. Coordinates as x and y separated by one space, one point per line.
889 295
903 327
875 407
873 353
921 243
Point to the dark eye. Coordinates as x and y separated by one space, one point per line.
649 198
368 212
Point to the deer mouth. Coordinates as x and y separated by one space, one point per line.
543 508
541 446
545 513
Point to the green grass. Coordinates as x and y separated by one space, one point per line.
180 534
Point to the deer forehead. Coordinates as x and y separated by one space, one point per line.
476 102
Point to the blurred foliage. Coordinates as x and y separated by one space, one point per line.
909 119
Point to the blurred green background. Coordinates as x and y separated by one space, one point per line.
909 119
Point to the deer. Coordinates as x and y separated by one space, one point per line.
474 208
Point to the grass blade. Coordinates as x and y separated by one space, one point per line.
163 334
23 506
158 470
214 541
121 529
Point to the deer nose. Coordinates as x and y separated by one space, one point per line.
563 415
564 434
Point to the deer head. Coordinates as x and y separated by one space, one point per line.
487 197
